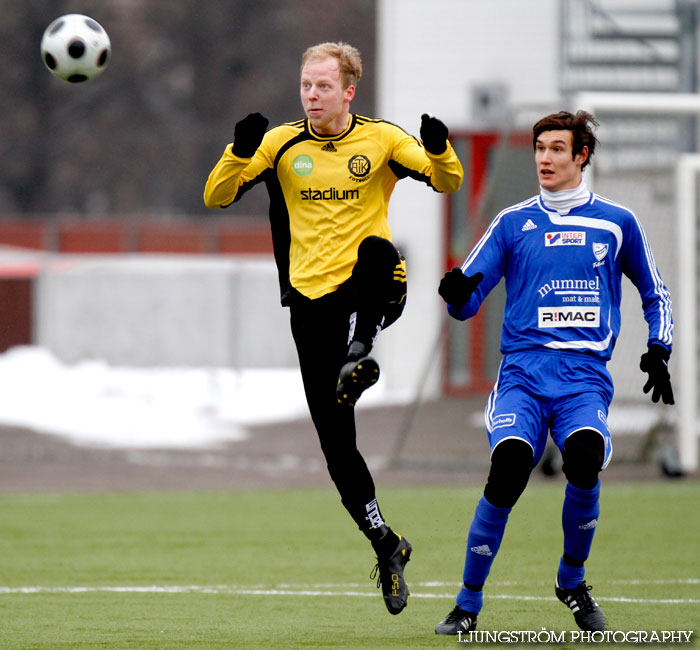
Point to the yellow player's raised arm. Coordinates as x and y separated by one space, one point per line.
434 163
447 172
227 176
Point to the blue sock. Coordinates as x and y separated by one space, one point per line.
484 539
470 601
579 519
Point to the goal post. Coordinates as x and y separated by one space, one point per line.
683 171
687 192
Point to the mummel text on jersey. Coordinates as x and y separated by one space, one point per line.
563 276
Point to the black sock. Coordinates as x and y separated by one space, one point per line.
386 545
358 349
572 561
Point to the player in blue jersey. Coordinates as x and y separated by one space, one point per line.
562 254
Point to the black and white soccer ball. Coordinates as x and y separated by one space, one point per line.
75 48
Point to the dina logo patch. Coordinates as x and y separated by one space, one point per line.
303 165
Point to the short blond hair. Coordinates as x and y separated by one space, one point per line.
348 57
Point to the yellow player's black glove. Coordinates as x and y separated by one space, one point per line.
248 134
433 133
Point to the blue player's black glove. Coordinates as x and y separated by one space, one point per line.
248 134
433 133
655 362
456 288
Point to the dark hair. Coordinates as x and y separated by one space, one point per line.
581 126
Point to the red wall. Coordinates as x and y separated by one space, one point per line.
186 236
71 236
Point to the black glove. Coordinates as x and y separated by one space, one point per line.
248 134
655 362
456 288
433 133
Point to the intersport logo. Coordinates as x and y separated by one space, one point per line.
549 317
573 238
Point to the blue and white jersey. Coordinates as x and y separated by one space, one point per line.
563 276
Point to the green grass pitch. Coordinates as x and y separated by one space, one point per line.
288 569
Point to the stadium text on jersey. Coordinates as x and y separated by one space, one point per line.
331 194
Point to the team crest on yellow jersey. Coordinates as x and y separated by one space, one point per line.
359 166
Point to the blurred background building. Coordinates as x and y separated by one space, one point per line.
97 176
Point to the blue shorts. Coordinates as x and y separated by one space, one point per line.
542 392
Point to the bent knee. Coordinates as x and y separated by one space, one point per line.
511 465
583 456
376 254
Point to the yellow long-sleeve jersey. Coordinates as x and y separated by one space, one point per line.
327 193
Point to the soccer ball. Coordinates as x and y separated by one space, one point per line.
75 48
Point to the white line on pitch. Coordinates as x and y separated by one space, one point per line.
512 583
247 591
455 585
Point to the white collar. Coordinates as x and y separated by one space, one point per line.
564 200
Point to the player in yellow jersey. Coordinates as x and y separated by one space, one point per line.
329 178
